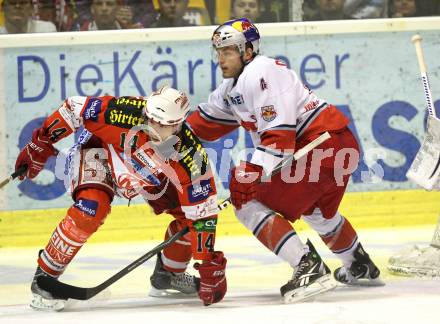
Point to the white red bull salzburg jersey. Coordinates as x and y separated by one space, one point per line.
271 102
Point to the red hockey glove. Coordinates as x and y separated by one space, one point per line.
212 279
35 154
244 181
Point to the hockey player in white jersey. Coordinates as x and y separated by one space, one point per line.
282 115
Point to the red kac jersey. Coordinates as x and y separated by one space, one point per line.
173 177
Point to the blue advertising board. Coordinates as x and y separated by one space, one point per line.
373 77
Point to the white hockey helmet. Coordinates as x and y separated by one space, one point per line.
167 106
237 32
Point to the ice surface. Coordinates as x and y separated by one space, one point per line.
254 278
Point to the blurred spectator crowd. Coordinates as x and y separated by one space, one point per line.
24 16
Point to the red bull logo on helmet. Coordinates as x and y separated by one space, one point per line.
243 25
246 27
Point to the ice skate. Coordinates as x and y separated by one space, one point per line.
42 299
362 272
168 284
312 277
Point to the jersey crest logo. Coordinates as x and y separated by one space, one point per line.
268 113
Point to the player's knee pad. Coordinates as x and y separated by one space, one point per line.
89 211
274 232
176 256
253 215
321 224
269 228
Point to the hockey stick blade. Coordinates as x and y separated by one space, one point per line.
62 290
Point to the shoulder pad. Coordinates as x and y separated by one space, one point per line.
193 156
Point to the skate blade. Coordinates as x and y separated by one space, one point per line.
321 285
169 293
366 282
49 305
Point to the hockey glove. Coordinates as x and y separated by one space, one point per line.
244 181
213 284
35 154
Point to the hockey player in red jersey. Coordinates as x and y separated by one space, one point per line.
132 146
282 115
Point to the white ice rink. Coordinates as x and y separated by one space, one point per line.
254 277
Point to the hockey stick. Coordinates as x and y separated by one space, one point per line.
21 170
417 41
62 290
425 169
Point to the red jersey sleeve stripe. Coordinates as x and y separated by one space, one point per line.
208 130
279 139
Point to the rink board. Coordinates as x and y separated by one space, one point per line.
138 223
367 68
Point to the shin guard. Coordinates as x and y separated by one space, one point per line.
176 257
336 232
83 219
275 232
